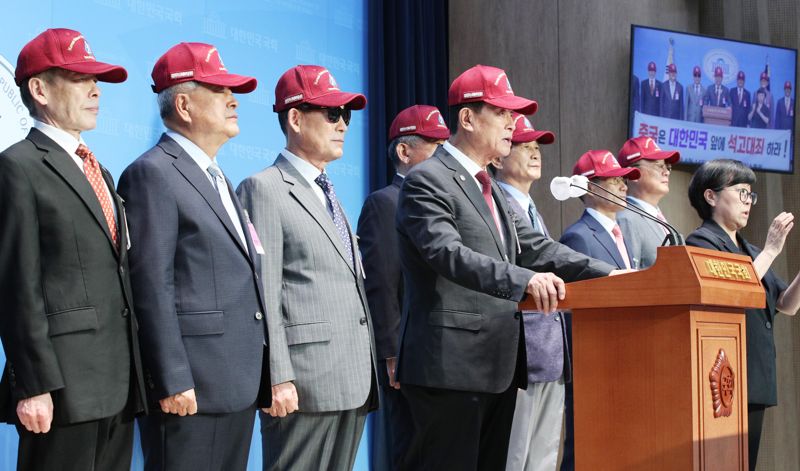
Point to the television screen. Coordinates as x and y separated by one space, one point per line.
710 98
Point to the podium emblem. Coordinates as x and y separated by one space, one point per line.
722 385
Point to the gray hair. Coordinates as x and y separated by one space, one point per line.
411 140
166 97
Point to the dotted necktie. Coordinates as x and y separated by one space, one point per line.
336 213
623 251
95 176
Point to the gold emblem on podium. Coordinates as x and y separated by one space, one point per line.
722 385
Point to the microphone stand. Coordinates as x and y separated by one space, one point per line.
673 237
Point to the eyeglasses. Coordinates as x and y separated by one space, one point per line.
660 168
744 195
333 114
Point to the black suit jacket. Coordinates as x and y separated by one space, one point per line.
762 387
66 319
463 282
651 102
377 238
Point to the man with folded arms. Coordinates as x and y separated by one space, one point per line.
467 262
73 378
194 270
414 135
643 235
323 362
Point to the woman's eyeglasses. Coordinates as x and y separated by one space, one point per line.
744 195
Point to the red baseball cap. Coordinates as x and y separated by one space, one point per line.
643 147
764 76
66 49
314 85
524 132
419 120
672 68
602 164
718 71
788 85
199 62
651 66
740 75
696 71
489 85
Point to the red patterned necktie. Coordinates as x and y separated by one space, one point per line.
92 170
486 188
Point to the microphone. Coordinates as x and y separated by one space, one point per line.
564 188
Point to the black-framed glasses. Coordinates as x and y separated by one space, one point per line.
332 114
744 195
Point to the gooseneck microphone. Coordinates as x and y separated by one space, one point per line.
576 186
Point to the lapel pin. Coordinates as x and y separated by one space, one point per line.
462 178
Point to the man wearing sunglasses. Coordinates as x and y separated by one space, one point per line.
322 361
643 235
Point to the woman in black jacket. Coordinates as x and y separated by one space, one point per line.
720 192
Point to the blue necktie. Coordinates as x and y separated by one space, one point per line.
336 213
533 214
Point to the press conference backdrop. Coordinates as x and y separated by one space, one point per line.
261 38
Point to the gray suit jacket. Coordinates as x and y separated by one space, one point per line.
463 283
642 236
694 103
194 284
320 332
545 334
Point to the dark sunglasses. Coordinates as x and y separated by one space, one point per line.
333 114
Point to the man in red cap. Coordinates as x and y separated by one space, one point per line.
536 426
717 94
73 380
651 92
467 262
784 110
740 102
320 332
694 97
193 267
672 95
767 113
643 235
414 135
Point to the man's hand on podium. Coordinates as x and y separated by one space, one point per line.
547 290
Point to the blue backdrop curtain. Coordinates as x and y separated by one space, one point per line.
408 66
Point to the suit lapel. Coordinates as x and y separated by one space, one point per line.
61 162
195 176
467 184
603 238
304 194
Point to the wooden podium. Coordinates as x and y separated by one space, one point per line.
659 363
719 115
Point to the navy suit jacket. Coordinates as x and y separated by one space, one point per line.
672 104
384 281
195 285
740 110
588 237
651 102
784 120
